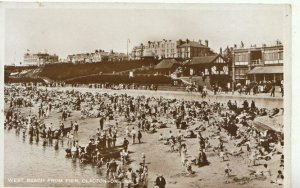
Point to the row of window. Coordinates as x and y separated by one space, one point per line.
267 62
34 60
163 45
274 62
267 56
273 56
241 63
242 57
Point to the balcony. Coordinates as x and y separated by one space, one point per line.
256 62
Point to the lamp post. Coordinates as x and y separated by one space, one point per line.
233 72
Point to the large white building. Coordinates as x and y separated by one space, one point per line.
96 57
39 59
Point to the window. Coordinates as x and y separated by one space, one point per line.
280 53
273 57
242 57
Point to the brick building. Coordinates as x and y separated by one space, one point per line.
171 49
188 49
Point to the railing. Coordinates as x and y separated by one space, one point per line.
256 62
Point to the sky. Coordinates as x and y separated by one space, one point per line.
81 28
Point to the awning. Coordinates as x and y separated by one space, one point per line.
267 70
263 123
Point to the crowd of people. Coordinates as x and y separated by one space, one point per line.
226 130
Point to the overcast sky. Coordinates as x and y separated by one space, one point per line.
71 29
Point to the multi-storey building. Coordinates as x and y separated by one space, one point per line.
96 57
39 59
115 56
189 49
161 49
258 63
171 49
79 58
138 52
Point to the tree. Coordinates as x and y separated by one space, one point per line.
228 54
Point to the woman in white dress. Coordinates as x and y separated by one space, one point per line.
47 112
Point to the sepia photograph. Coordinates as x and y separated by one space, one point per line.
127 95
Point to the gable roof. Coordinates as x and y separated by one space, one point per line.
203 60
166 64
192 44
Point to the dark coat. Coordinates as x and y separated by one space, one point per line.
160 182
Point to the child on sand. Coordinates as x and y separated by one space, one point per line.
160 137
227 170
189 167
172 143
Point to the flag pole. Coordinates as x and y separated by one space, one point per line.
127 48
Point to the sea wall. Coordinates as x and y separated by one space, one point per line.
263 100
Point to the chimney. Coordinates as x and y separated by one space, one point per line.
220 51
200 42
187 41
234 45
206 43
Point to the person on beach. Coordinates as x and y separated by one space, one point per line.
228 170
76 127
101 122
74 151
139 136
160 181
125 144
133 134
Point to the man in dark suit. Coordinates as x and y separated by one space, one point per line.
160 181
